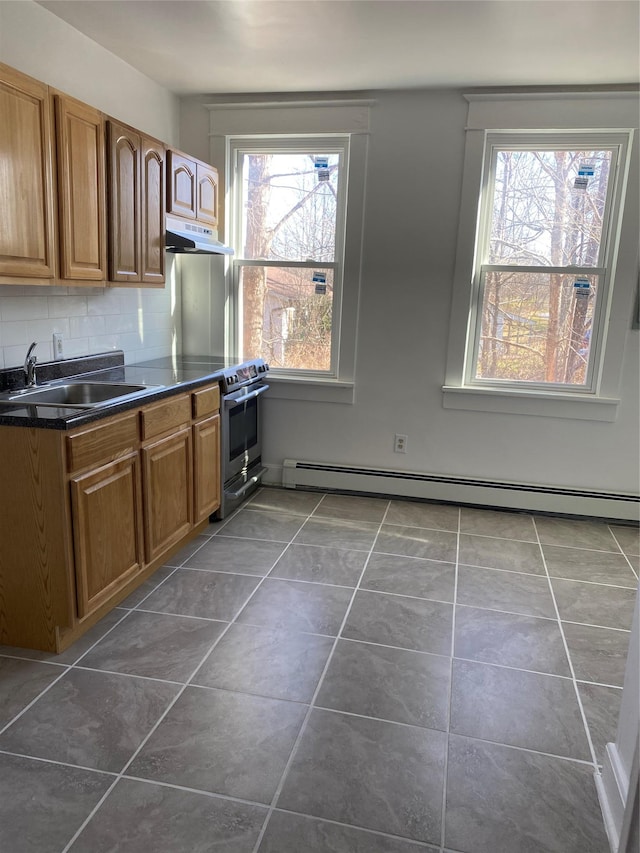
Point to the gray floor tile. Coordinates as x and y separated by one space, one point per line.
156 645
93 719
187 550
291 833
307 607
209 595
628 538
396 620
410 576
321 565
287 500
391 684
146 588
505 525
20 682
594 604
280 664
502 800
500 554
274 526
232 554
498 590
527 709
352 507
345 533
602 708
43 805
368 773
222 742
140 816
597 654
582 565
417 542
594 535
524 642
418 514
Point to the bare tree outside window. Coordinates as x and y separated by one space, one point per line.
548 210
289 215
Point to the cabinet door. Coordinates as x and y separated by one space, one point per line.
107 530
153 203
181 186
27 233
81 190
124 147
167 477
207 198
206 467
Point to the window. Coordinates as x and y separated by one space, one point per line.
544 250
288 199
546 258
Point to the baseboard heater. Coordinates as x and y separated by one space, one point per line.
494 493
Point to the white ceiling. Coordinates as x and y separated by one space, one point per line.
218 46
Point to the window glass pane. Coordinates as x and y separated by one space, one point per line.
287 316
536 327
289 206
548 207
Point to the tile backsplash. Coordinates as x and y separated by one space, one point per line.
144 322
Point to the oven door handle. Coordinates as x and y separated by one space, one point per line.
242 396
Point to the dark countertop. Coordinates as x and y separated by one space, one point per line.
174 374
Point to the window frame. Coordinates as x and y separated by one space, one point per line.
237 146
531 115
495 141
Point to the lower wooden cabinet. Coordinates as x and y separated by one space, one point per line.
107 526
206 468
167 474
90 513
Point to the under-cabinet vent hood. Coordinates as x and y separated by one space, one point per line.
194 239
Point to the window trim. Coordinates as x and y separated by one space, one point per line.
527 114
345 301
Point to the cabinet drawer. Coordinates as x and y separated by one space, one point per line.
206 401
165 415
102 442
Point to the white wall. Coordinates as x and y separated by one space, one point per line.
140 321
415 164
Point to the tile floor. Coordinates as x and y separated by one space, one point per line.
333 674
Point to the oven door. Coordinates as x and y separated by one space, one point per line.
241 433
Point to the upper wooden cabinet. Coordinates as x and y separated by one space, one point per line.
81 190
136 175
192 189
27 212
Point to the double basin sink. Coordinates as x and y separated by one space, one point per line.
76 394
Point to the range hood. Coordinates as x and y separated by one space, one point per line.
191 238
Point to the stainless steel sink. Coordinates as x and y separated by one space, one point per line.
77 395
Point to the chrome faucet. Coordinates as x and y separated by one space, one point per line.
30 367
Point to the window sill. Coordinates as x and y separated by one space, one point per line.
524 402
310 390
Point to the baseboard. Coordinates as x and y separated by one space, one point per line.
462 490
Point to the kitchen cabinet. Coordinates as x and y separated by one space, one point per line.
136 178
106 520
81 191
192 189
206 453
28 232
106 508
89 514
57 225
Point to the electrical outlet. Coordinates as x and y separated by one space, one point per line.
400 443
58 350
